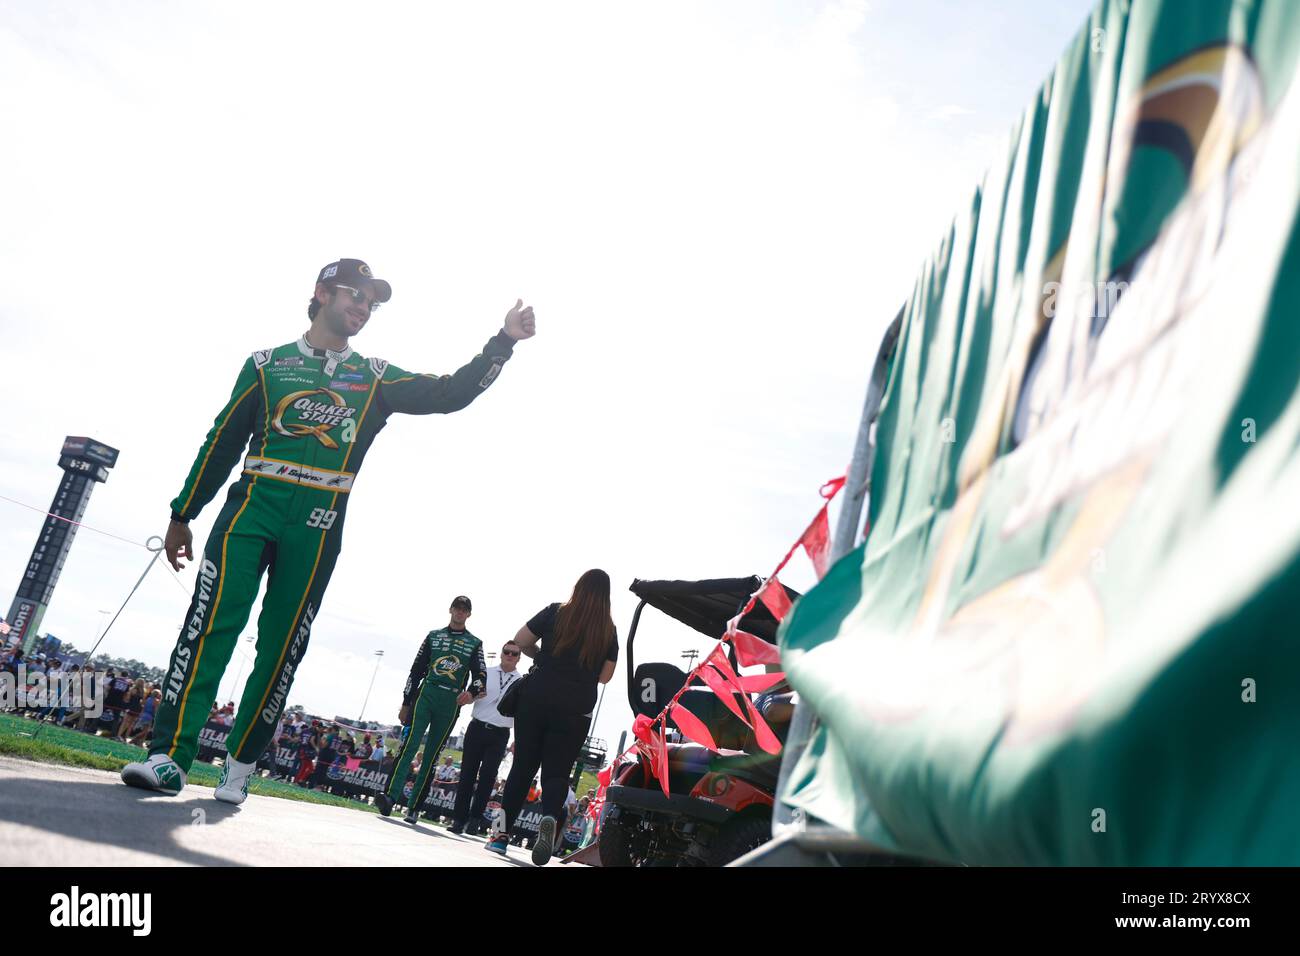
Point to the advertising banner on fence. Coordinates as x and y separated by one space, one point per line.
1069 637
364 778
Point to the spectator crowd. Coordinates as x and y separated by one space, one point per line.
115 704
120 705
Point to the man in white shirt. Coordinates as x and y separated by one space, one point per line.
445 776
485 745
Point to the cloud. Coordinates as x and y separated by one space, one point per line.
949 111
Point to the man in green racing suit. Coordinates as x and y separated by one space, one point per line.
307 412
447 674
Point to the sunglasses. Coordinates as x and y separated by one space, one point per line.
509 653
359 297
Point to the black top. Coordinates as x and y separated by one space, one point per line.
566 667
115 692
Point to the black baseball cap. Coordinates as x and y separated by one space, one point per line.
462 601
354 272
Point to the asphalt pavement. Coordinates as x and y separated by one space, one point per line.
71 816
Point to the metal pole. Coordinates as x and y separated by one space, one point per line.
157 550
864 448
803 721
378 656
598 703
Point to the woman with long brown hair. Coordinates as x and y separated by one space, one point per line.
574 647
134 705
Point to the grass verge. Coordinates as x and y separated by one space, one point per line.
75 749
72 748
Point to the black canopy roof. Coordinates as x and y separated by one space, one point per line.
707 606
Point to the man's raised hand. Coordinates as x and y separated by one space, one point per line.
520 322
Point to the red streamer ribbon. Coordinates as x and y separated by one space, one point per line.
816 542
773 595
752 650
648 744
716 671
832 487
726 693
661 758
757 683
692 726
828 491
762 732
641 728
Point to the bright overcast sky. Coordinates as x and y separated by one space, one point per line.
714 207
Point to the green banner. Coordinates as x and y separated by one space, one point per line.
1071 634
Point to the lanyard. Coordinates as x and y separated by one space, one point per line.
502 683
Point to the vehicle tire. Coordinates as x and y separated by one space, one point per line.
614 844
737 837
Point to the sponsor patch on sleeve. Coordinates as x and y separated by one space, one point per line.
261 357
491 375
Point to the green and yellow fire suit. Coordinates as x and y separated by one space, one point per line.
447 663
307 416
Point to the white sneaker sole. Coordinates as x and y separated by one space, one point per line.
230 796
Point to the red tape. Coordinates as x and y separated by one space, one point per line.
816 542
692 726
752 650
757 683
762 732
719 685
773 595
661 758
716 671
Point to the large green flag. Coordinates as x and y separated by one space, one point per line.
1073 633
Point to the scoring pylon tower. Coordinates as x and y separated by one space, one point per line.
84 462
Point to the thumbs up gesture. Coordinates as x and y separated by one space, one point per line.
520 323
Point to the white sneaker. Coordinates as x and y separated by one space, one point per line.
233 787
160 772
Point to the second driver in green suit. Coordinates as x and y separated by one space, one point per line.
447 674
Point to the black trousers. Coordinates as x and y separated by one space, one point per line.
547 735
321 775
480 759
